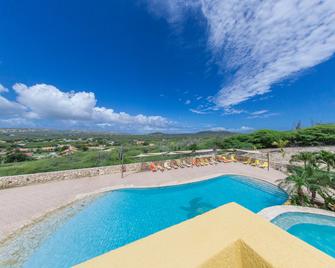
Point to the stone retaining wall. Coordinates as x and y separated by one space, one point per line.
22 180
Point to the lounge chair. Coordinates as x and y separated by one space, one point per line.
203 162
186 164
264 165
256 163
153 167
212 161
233 158
173 165
218 158
225 160
179 163
247 162
159 167
167 166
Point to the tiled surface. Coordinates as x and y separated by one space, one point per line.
20 206
272 212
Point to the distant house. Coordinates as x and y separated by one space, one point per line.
70 150
23 150
139 142
48 149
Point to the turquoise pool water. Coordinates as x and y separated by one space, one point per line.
120 217
317 230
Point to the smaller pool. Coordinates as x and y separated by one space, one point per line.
317 230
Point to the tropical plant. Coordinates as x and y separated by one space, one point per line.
327 158
306 183
295 184
305 157
281 144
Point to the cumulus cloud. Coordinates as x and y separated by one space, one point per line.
9 107
3 89
260 43
42 101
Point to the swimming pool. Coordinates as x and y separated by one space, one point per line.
317 230
122 216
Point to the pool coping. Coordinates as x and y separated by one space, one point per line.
273 212
172 183
80 197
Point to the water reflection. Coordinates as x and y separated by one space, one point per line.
196 207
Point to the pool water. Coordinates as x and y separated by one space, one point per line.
316 230
122 216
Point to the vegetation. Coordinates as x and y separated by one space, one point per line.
97 149
314 136
312 184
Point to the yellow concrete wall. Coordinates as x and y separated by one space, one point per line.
229 236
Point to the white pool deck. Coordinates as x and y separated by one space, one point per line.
22 206
272 212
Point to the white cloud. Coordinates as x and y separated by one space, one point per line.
41 102
16 122
260 42
9 107
196 111
230 111
263 114
187 102
3 89
259 112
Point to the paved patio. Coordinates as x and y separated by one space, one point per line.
21 206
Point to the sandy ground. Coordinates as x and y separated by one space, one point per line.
21 206
276 156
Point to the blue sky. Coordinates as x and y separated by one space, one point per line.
172 66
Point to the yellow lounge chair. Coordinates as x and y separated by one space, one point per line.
225 160
202 162
206 161
233 158
256 163
264 165
247 162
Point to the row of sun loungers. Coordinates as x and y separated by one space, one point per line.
256 163
203 161
186 163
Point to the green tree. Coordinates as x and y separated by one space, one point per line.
295 184
305 157
281 144
193 147
327 158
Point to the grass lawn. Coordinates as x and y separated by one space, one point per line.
75 161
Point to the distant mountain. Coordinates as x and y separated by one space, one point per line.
207 133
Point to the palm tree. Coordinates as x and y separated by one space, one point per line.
316 181
295 184
281 144
327 158
306 157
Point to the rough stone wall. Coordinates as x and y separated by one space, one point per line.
21 180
